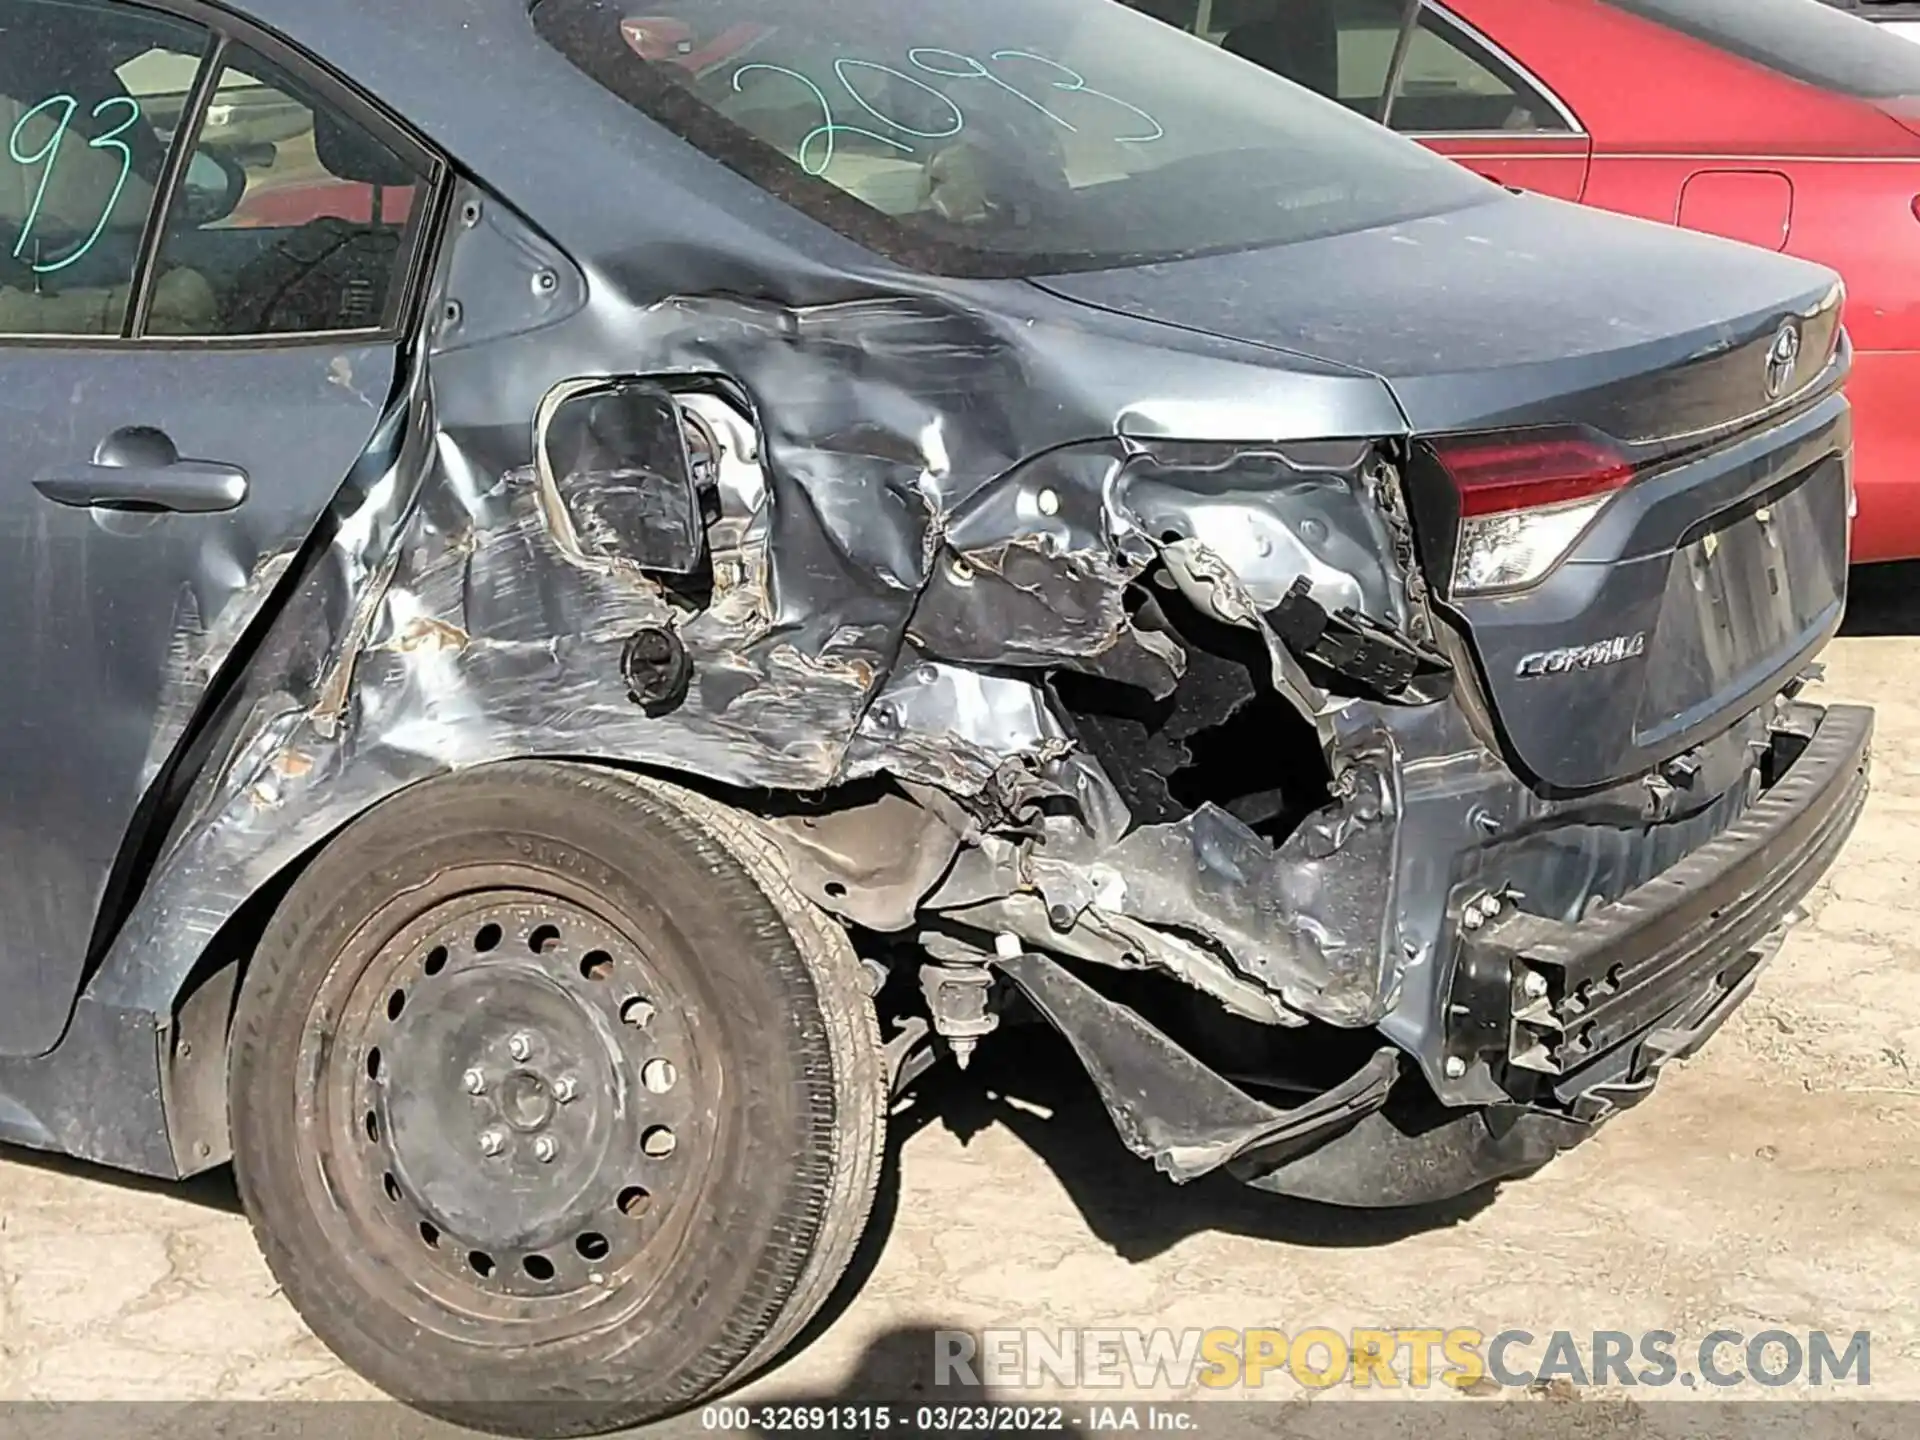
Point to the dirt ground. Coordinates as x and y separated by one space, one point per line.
1770 1183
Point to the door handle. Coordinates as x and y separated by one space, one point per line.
139 468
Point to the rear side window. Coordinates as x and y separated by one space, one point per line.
83 142
1341 48
294 218
1450 85
1813 43
293 214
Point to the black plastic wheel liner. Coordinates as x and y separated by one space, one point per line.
1392 1158
1378 1140
1170 1107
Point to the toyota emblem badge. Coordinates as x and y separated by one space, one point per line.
1783 357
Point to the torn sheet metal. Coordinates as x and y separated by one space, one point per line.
1214 589
1123 943
890 581
1272 517
1033 571
954 728
871 862
1307 918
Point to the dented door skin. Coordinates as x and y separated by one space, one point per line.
121 620
123 615
158 488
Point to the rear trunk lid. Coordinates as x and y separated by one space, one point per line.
1708 569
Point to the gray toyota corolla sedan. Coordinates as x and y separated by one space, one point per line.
595 587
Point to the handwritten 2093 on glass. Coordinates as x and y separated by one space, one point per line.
556 668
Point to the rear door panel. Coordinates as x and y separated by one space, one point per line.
154 488
116 621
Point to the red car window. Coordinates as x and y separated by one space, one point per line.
1452 85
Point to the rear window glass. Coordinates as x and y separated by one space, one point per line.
1814 43
1004 137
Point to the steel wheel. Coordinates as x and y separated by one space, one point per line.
511 1094
555 1109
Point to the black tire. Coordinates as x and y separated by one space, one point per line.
424 1180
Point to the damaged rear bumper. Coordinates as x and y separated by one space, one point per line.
1571 1021
1594 1009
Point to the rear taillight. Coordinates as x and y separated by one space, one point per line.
1525 498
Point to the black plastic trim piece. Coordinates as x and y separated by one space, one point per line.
1631 964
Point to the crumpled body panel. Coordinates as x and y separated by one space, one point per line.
922 510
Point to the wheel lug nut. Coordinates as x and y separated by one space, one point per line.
544 1149
475 1082
519 1045
492 1142
565 1088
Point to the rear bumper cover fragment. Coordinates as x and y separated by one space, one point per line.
1170 1108
1648 977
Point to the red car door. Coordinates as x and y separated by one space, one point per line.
1457 92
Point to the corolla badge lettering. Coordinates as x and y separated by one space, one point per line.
1582 657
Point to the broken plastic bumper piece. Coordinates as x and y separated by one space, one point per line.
1595 1008
1170 1108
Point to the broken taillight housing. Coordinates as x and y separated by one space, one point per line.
1525 498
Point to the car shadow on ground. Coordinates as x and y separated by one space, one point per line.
1028 1081
900 1371
211 1189
1034 1085
898 1366
1883 600
1031 1083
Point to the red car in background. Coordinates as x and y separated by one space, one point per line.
1784 123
